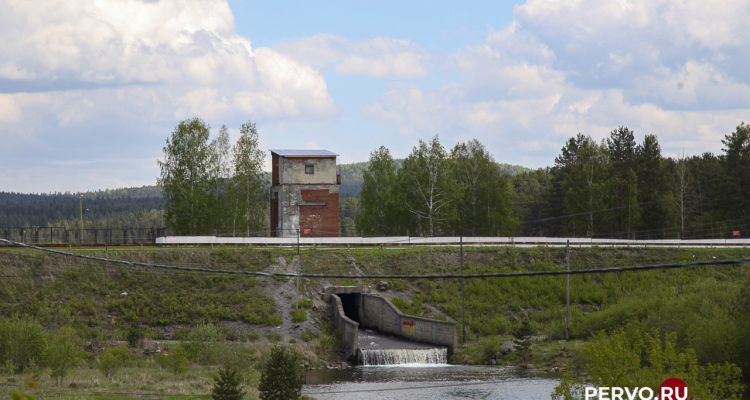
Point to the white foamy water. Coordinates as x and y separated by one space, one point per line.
403 356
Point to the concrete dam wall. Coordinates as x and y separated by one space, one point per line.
353 308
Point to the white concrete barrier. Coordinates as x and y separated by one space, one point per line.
448 241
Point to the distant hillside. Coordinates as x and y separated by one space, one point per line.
20 209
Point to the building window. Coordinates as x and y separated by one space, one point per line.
309 169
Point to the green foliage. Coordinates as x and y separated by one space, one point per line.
22 344
378 197
349 214
633 359
228 384
306 303
112 360
203 343
282 376
298 315
485 199
62 354
274 337
135 335
177 360
427 186
523 340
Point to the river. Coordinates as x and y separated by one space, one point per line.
429 381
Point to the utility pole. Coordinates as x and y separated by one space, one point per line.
81 204
567 300
463 316
299 263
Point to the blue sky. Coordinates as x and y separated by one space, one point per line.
89 91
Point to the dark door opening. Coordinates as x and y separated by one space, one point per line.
349 303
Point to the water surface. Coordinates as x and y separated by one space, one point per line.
430 381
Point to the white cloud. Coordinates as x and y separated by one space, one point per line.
381 57
185 52
585 66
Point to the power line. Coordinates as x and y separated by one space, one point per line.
428 276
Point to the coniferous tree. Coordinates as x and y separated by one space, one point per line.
228 384
653 186
621 148
283 375
735 163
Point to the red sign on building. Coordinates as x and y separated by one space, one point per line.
735 233
307 231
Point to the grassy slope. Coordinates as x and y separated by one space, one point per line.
664 299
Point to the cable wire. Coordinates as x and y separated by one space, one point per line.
428 276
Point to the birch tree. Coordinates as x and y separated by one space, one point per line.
427 186
377 194
485 200
221 174
184 178
249 194
682 187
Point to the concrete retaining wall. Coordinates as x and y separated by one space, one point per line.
349 329
380 314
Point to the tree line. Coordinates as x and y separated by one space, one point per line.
613 188
435 191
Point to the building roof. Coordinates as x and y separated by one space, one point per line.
304 153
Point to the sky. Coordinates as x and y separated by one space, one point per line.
90 90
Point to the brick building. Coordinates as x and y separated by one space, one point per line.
304 193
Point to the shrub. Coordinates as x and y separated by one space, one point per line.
202 343
180 334
298 315
274 337
253 336
22 344
282 376
62 355
177 360
306 303
228 384
110 363
135 335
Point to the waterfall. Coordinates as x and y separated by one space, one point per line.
402 356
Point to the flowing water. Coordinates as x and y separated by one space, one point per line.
429 381
403 356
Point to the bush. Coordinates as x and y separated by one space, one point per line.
135 335
22 344
298 315
62 355
253 336
203 343
274 337
228 384
283 375
306 303
112 360
178 360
